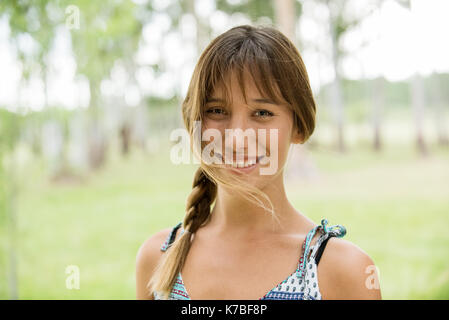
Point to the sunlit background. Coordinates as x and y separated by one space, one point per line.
91 90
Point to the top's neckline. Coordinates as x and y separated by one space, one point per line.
298 267
336 230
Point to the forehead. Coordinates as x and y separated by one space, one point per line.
231 83
233 88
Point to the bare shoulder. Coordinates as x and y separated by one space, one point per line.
346 272
147 258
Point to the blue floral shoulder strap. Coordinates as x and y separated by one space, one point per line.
171 237
326 232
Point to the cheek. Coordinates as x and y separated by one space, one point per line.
210 124
280 151
281 147
216 125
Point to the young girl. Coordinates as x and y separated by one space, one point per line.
241 238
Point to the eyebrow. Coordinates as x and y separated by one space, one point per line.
258 100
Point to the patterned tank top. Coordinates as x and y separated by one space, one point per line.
302 284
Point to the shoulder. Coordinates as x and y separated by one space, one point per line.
151 247
347 272
147 258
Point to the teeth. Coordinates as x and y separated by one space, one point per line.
240 164
243 164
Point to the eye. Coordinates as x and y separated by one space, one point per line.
215 110
265 113
216 113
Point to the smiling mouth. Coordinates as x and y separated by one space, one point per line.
245 163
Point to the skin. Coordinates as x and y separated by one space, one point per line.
251 253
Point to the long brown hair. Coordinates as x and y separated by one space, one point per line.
271 58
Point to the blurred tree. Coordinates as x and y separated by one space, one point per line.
437 91
286 17
418 97
378 101
287 13
418 105
30 18
27 25
374 90
254 9
32 35
10 124
107 33
203 29
342 20
125 137
340 23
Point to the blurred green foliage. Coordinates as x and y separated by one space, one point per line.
393 205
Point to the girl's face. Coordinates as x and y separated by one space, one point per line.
259 113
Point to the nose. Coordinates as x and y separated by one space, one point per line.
241 134
238 119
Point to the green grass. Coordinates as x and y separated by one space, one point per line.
394 205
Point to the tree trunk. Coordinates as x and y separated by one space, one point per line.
125 134
336 88
300 165
417 95
285 17
378 100
10 188
96 138
202 28
440 116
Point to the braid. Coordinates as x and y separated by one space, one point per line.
197 213
198 202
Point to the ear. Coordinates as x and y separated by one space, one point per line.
297 137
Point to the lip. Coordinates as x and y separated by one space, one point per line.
242 170
246 169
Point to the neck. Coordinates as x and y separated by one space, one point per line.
234 215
